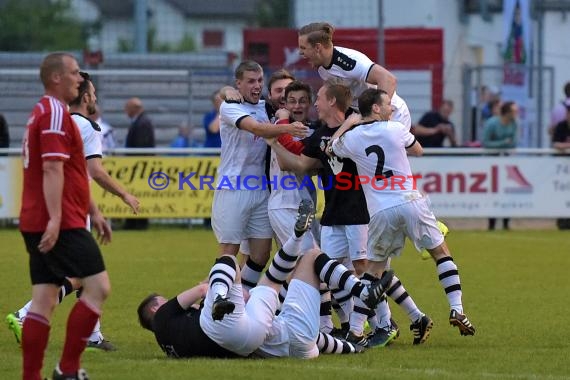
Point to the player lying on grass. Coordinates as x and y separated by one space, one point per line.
227 326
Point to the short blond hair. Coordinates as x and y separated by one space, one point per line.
342 94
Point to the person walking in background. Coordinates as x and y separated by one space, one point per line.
434 127
500 132
140 135
55 205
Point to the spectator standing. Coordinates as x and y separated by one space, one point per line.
500 132
211 123
558 113
141 131
140 135
182 139
434 127
4 133
561 140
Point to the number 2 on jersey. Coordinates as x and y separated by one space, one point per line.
376 149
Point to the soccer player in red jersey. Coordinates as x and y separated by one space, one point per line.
55 205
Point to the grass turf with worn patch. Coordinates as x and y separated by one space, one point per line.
515 292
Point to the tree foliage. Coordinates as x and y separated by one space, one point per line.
39 25
273 14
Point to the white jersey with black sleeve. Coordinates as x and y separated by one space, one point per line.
243 153
91 136
379 150
92 143
351 68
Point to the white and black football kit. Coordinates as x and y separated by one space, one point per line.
396 207
241 214
351 68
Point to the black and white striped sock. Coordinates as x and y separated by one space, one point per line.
325 315
398 293
449 279
222 275
328 344
251 273
337 276
344 304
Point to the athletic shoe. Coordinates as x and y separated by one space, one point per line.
340 333
444 230
381 337
377 288
421 329
102 345
305 216
221 307
80 375
461 321
395 328
357 340
357 348
15 324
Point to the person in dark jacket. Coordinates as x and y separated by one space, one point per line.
140 135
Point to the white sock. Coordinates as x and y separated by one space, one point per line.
24 310
96 335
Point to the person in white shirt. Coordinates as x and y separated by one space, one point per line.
240 213
397 208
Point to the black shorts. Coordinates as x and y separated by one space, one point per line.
75 254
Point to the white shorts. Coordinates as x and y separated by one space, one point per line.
245 329
239 215
283 225
389 228
295 331
340 242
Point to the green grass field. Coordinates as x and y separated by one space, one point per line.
515 291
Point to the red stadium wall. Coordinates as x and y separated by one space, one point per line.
405 49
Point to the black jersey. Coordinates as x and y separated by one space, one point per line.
345 204
179 334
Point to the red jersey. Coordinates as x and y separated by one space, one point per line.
52 135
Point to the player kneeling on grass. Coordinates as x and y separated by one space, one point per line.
227 326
